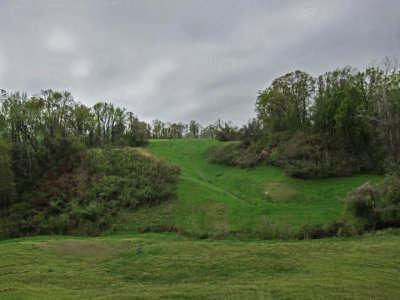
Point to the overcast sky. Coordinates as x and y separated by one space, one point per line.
183 60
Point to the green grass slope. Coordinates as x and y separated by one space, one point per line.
171 267
217 200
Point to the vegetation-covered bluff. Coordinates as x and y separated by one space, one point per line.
69 168
66 168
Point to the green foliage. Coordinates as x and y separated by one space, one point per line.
47 135
302 155
194 129
320 155
345 122
86 198
285 105
47 128
376 206
235 154
6 174
223 154
227 132
137 132
7 189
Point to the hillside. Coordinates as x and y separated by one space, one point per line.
199 149
212 201
215 200
87 193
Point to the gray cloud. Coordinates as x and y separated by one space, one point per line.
183 60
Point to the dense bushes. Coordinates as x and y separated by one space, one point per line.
85 199
7 191
376 206
320 155
235 154
50 187
223 154
302 155
46 128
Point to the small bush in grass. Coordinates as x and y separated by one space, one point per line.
376 206
363 202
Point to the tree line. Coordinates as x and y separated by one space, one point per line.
45 128
357 112
221 130
340 123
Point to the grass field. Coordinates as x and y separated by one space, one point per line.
172 267
216 200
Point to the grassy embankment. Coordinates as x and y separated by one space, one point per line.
217 200
172 267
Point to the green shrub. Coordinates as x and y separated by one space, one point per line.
237 154
318 156
223 154
7 189
302 155
376 206
86 199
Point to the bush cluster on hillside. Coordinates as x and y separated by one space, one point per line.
320 155
85 199
236 154
53 179
376 206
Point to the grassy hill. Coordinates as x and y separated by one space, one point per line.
215 200
172 267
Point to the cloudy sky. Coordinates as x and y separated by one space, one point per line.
179 60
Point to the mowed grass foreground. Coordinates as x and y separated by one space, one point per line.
171 267
215 200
